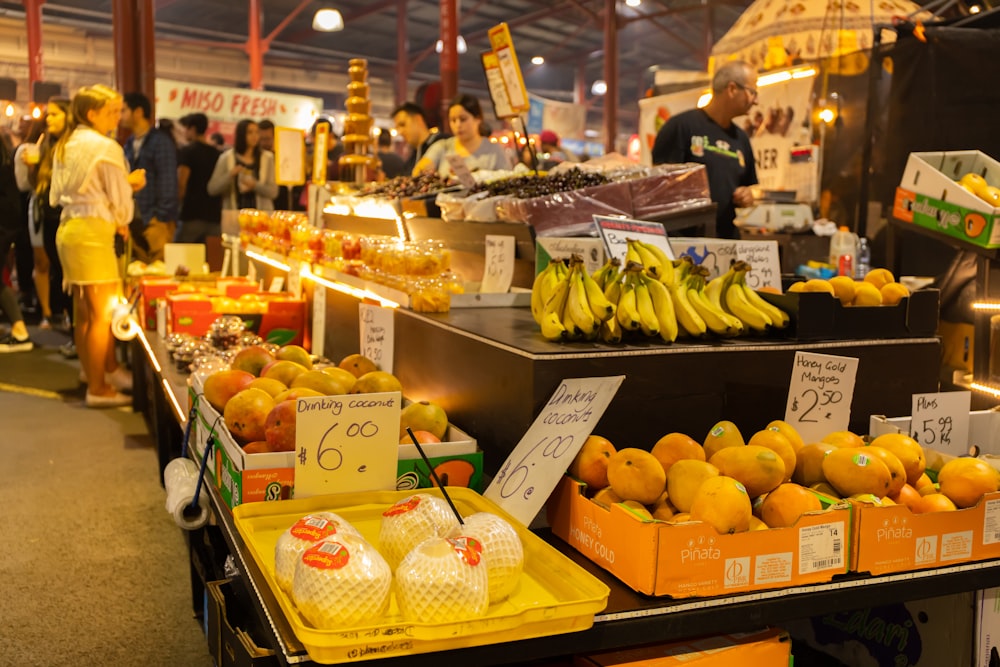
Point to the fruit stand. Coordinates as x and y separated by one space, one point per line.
629 619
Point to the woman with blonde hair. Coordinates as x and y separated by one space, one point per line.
92 184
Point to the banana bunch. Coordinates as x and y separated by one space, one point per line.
731 292
567 303
607 274
653 260
642 305
717 320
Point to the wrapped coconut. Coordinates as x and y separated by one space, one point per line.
412 520
443 580
502 550
342 581
306 532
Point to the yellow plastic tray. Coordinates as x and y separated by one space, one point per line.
554 595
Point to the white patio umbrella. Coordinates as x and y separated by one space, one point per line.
777 33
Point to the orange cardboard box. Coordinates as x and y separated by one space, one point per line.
770 647
688 560
893 539
282 321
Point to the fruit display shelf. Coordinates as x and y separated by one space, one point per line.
680 387
630 618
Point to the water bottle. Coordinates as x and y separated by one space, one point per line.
864 263
843 250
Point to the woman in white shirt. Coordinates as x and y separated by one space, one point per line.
92 184
465 118
244 174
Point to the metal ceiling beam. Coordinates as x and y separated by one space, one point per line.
521 20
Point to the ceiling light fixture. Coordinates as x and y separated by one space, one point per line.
328 20
461 46
633 3
600 87
538 60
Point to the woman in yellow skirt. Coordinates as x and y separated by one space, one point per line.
91 183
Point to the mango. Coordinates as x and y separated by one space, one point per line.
758 468
965 480
635 474
897 473
809 463
723 434
780 445
853 470
908 451
783 506
676 446
683 481
723 503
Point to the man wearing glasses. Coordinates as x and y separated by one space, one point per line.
710 137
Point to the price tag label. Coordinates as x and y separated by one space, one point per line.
321 145
498 271
820 394
495 85
461 170
277 284
503 47
345 444
536 465
377 331
941 421
765 267
295 278
318 336
617 231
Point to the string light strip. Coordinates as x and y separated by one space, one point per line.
986 389
986 305
347 289
267 260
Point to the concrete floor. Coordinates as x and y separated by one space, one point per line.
93 571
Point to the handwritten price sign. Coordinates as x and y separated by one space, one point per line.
377 333
498 270
346 443
536 465
617 231
820 394
941 421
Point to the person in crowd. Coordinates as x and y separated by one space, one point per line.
92 183
217 140
244 174
392 164
465 118
709 136
265 129
154 151
552 149
201 213
26 157
34 175
411 124
172 130
17 340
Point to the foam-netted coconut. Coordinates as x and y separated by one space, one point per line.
443 580
410 521
306 532
502 550
342 581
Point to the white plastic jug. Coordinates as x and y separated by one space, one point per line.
844 251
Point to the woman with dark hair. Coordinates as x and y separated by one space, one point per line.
465 118
34 175
244 174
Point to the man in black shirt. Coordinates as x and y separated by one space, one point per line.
411 124
201 213
710 137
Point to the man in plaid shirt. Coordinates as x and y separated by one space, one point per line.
156 204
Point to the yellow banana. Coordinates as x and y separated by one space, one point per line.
627 312
557 299
650 262
717 320
648 322
541 289
613 290
552 327
779 318
576 304
599 304
657 252
632 254
713 290
737 304
611 330
663 305
687 317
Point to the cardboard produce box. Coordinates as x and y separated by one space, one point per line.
929 196
277 318
770 647
894 539
244 478
692 559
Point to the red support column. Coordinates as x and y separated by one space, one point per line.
125 44
255 49
33 19
145 17
402 46
580 83
449 53
610 74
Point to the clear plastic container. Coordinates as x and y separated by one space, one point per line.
844 244
864 263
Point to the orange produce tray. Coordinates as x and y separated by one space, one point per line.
554 595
